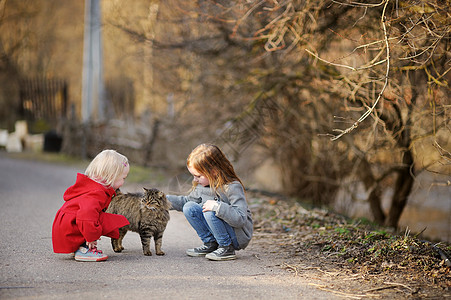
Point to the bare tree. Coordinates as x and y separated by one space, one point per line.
380 68
370 75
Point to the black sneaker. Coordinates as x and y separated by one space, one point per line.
222 253
203 250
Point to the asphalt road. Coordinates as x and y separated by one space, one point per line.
31 193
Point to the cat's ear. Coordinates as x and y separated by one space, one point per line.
145 190
161 194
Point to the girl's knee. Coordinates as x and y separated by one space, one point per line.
209 215
191 208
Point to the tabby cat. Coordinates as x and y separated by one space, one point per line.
148 214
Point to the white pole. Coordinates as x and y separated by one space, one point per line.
92 85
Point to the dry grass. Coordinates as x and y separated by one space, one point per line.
350 258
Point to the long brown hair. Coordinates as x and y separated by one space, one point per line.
211 162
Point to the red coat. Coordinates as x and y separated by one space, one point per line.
82 218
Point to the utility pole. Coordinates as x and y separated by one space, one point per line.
93 107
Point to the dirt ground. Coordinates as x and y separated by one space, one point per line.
351 258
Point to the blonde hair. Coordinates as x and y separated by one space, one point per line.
209 160
106 167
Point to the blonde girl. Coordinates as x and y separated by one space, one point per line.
82 219
216 207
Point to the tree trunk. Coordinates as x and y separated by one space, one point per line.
151 144
374 197
405 179
403 187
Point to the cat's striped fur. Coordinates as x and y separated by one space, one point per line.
148 214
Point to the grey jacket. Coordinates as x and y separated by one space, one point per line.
231 207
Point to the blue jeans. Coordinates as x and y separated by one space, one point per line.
209 227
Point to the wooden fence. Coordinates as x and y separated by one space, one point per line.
43 99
